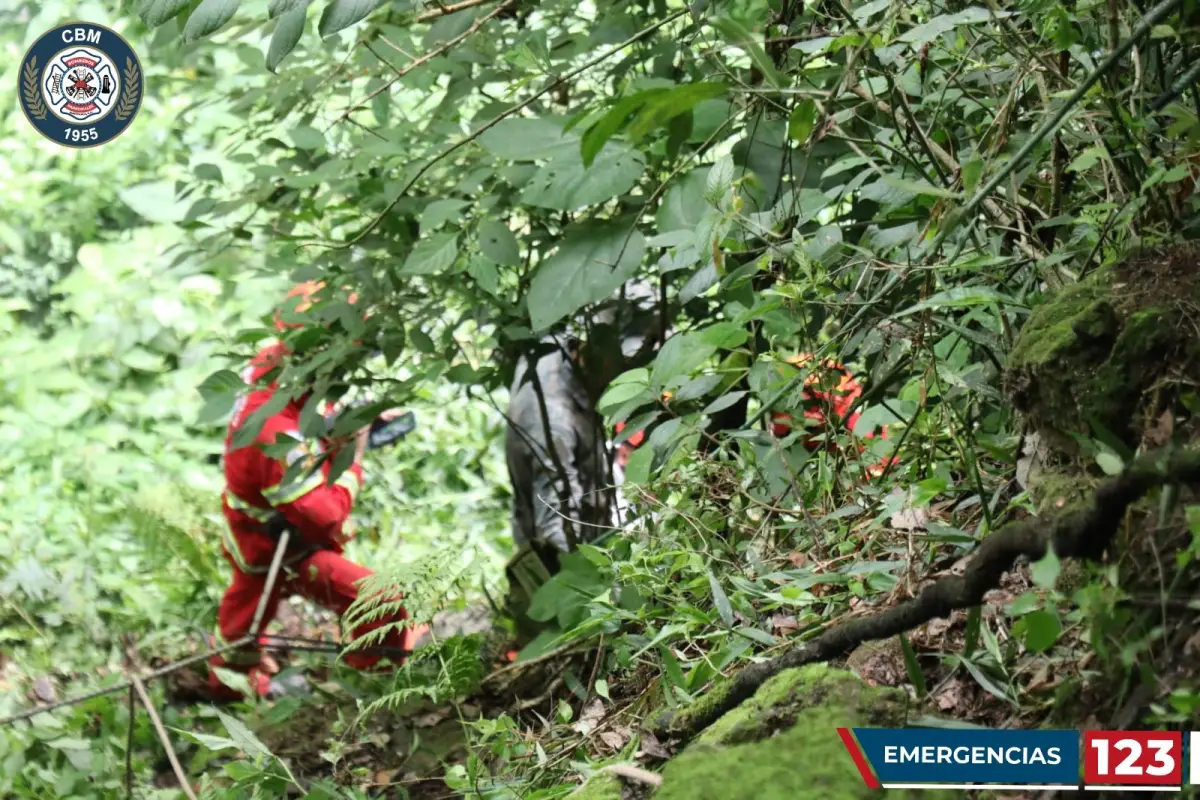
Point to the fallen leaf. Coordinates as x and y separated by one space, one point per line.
590 718
652 747
432 718
384 776
614 739
953 696
909 519
43 687
798 559
1160 434
784 624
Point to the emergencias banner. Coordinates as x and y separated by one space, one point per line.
923 758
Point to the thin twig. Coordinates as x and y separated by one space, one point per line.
162 735
129 747
272 573
635 773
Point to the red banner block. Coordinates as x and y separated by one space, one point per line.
1133 758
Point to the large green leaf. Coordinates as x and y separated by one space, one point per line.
599 134
923 34
683 353
432 255
341 14
209 17
156 12
592 261
497 242
684 206
437 213
566 184
528 140
740 36
288 31
154 201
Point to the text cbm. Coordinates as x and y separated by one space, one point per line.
81 35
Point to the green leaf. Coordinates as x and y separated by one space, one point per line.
662 107
971 636
923 34
156 12
598 135
919 187
214 743
593 260
528 140
986 681
208 172
154 201
567 184
971 172
602 688
683 206
1041 630
1045 570
915 675
430 256
306 137
637 469
619 394
683 353
802 120
960 297
288 31
247 742
340 14
721 601
209 17
277 7
1110 462
739 36
234 680
671 667
437 213
497 242
762 637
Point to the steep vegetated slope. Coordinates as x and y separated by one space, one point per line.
973 207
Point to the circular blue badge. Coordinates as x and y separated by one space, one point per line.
80 84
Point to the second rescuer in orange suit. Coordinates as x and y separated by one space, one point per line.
317 513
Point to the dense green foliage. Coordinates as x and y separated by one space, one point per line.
872 182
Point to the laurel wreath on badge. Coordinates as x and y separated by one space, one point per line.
33 98
129 95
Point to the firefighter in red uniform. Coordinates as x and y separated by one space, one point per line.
829 390
316 513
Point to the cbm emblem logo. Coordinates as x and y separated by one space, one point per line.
81 84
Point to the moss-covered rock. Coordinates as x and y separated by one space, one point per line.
1101 351
783 742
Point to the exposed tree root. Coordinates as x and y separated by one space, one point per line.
1083 533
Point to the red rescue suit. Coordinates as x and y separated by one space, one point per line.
822 395
818 397
313 566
